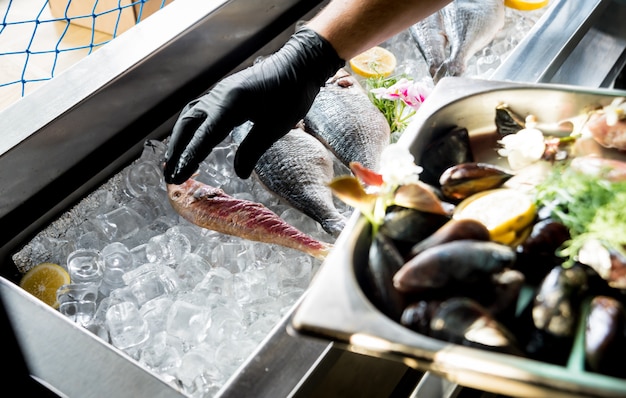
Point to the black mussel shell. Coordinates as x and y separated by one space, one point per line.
506 286
464 321
537 255
507 121
455 229
558 299
417 316
553 314
451 149
465 179
605 337
384 261
406 227
451 264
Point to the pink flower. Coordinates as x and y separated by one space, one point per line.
411 93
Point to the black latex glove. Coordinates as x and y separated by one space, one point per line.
274 94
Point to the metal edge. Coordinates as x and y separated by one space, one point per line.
556 34
336 309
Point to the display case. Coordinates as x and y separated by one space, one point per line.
65 139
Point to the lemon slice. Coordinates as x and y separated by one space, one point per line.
375 62
526 5
505 212
43 280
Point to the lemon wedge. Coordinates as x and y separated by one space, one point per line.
526 5
43 281
505 212
375 62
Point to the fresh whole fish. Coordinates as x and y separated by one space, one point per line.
212 208
344 119
468 27
298 169
432 41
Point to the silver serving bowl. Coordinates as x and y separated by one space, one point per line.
336 308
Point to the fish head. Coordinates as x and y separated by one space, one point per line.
190 191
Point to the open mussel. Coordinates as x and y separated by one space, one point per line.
463 321
465 179
450 149
605 337
507 121
453 263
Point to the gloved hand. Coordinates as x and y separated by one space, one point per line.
274 94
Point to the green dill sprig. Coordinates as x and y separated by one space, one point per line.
591 207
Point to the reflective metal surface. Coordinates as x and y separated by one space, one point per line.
74 132
337 309
575 42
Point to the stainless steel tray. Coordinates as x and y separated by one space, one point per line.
336 309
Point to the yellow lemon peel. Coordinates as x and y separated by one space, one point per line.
505 212
43 280
375 62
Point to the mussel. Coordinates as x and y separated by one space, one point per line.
537 255
452 263
384 261
417 316
406 227
605 337
462 180
463 321
554 314
450 149
507 121
455 229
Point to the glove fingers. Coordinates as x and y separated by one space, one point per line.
200 141
256 143
182 134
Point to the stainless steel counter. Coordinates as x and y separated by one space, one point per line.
56 148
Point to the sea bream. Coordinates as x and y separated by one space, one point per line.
211 208
344 119
468 26
432 42
298 168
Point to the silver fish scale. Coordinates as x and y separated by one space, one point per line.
344 119
467 25
298 169
430 37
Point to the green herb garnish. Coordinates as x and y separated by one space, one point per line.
590 206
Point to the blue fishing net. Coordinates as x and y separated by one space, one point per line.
89 14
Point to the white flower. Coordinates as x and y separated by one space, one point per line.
397 166
523 148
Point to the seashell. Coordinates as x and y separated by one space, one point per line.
554 314
507 121
464 321
605 336
465 179
408 226
450 149
451 263
536 255
455 229
384 261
